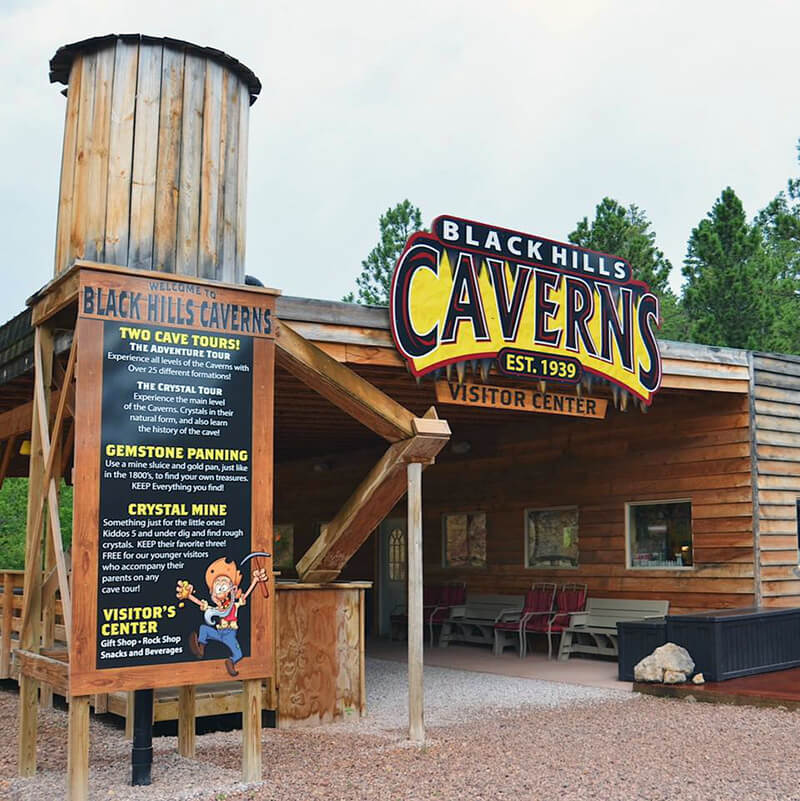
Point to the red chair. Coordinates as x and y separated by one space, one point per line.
570 598
538 605
443 600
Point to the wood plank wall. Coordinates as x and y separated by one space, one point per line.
776 392
689 446
154 164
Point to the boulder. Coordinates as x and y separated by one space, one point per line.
699 679
674 677
669 657
648 670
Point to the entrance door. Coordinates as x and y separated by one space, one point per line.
393 571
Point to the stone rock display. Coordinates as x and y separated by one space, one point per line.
668 659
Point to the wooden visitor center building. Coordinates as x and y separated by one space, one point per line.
719 450
691 498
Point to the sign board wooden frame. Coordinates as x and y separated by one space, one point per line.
212 315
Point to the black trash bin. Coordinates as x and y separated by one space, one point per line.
637 639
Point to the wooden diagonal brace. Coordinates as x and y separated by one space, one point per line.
372 500
51 491
8 452
341 386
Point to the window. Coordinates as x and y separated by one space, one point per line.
397 555
551 537
660 534
465 540
283 545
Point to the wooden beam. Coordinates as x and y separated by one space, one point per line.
187 740
372 500
78 749
68 449
16 421
45 669
362 665
416 628
8 452
54 296
40 404
251 731
31 624
341 386
129 715
6 618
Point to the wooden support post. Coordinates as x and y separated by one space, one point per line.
31 632
28 723
186 721
129 716
48 614
362 667
6 623
49 595
416 723
78 749
251 731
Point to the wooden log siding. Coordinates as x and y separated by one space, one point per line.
154 161
360 335
776 466
693 446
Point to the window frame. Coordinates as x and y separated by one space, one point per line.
391 550
662 502
526 554
473 512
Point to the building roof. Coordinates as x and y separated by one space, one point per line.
61 62
364 333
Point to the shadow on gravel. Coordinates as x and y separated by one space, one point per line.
162 728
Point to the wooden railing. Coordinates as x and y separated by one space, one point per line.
11 602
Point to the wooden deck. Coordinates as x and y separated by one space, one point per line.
781 688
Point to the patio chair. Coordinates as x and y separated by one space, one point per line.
570 598
442 599
539 602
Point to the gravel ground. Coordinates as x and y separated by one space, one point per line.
489 737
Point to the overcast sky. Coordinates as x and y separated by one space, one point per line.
523 114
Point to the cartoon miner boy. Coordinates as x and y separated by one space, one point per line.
223 580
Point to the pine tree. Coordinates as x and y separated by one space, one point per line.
374 282
780 227
729 279
627 232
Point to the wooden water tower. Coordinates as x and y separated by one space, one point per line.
154 166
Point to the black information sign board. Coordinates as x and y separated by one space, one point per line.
175 490
172 529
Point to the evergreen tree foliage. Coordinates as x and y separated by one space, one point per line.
627 232
780 227
729 279
396 225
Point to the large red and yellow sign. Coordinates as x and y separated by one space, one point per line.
544 310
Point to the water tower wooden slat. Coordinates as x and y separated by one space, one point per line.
154 166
